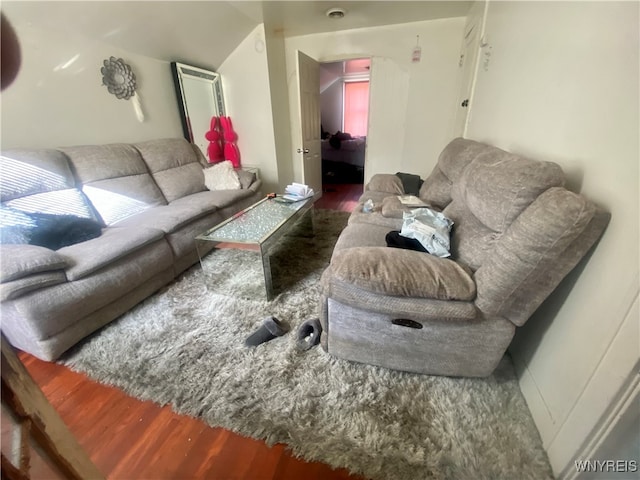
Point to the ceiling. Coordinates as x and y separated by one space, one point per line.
307 17
204 33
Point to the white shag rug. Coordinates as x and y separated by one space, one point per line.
184 346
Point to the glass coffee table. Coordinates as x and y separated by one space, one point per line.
235 255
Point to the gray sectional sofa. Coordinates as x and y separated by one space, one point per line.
149 200
517 233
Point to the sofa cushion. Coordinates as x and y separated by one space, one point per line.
87 257
218 198
174 166
42 181
470 240
91 163
65 305
459 153
384 182
29 283
406 273
27 172
392 207
436 189
493 190
70 201
19 261
168 218
115 179
114 201
363 234
498 186
374 218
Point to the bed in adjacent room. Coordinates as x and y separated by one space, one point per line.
343 158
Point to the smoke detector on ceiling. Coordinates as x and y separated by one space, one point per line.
336 12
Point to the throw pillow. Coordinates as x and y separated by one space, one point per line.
15 226
221 176
410 183
46 229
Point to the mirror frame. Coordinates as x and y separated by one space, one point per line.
182 71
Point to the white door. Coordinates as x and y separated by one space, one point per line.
308 145
468 61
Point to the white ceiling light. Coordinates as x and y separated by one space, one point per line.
336 12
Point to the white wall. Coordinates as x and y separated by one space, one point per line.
55 102
411 110
245 79
331 105
561 84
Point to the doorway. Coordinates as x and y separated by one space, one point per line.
344 111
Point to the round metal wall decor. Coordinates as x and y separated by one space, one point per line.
118 78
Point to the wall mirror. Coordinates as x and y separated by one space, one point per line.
200 97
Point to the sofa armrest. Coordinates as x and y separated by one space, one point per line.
246 178
256 186
536 252
404 273
29 283
385 182
22 260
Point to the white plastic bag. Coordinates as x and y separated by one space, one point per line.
430 228
368 206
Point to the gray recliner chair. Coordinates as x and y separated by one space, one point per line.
517 233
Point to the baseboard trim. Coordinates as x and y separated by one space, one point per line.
628 399
540 412
603 401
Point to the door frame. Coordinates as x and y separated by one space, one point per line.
343 59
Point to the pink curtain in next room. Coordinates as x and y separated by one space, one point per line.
356 107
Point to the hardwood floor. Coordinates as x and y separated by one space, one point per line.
130 439
340 196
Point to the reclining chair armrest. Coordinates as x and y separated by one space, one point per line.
537 251
402 273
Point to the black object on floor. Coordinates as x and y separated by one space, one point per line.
309 334
271 328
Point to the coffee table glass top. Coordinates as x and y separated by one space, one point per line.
252 237
255 224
